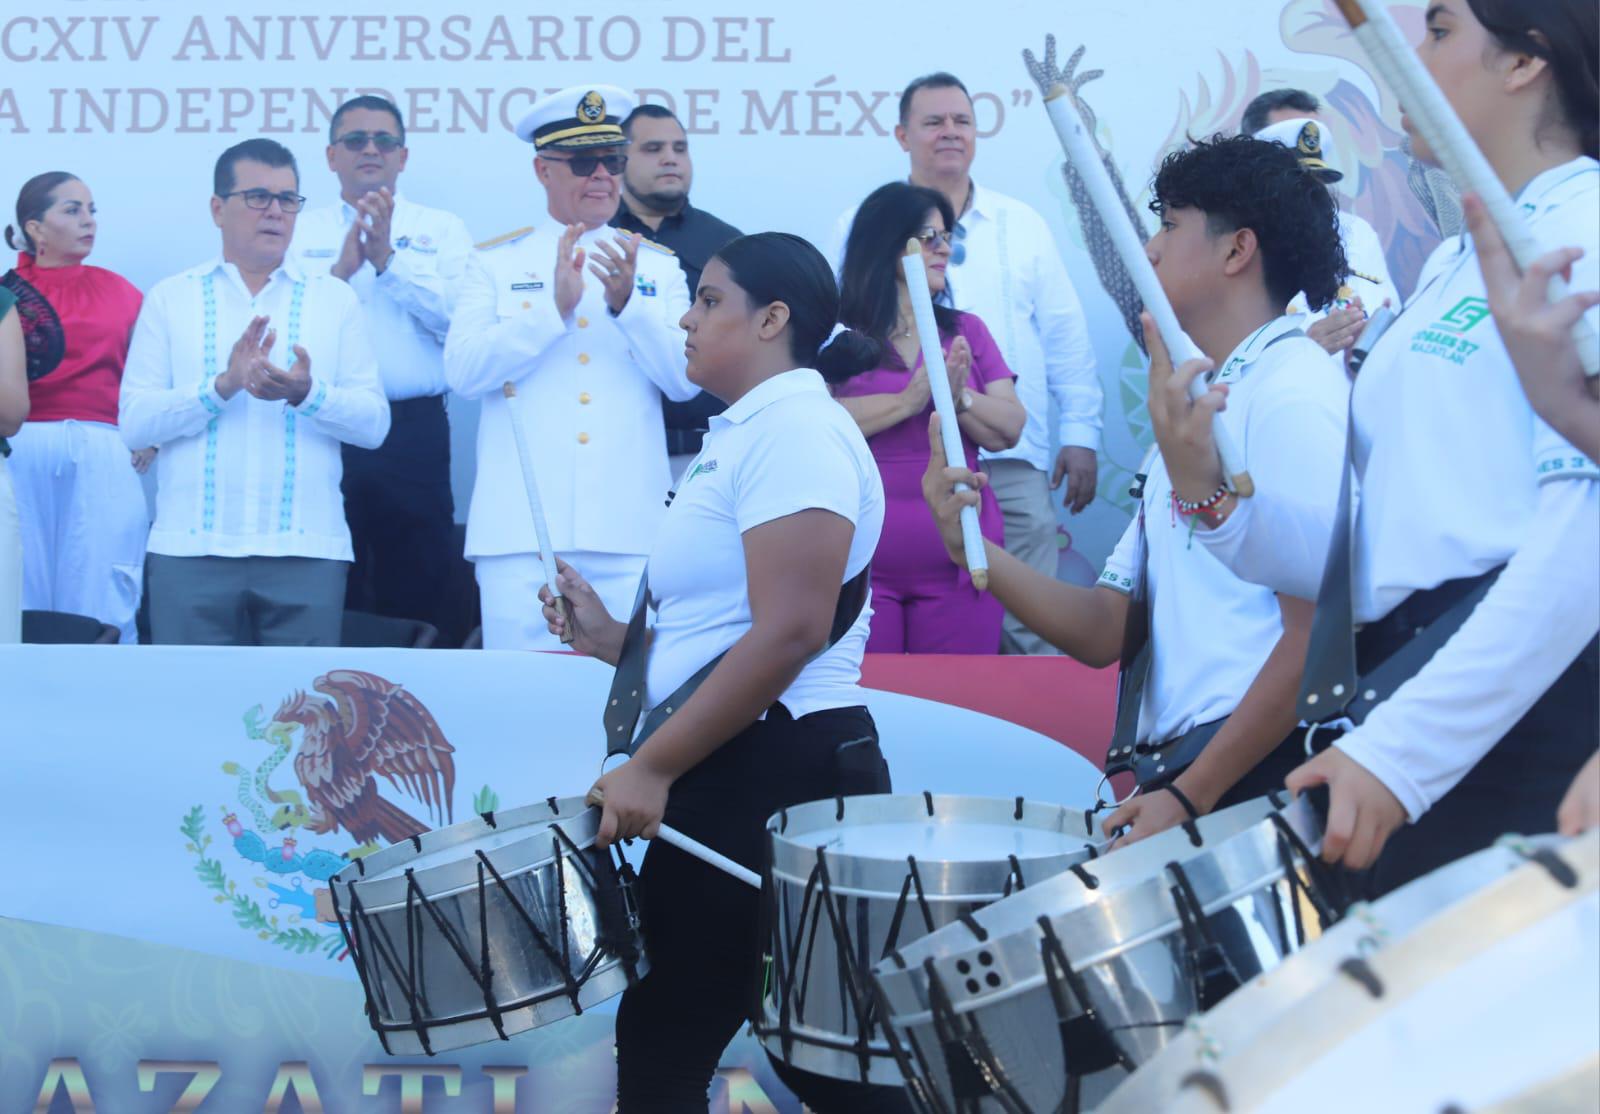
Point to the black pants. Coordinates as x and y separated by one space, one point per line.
1516 787
401 514
701 927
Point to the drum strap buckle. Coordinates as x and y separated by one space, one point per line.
1211 972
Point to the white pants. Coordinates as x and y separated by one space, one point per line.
84 521
10 562
508 588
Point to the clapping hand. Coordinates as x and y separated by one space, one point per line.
271 383
569 271
615 268
375 215
958 365
253 344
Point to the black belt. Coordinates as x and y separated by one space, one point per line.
422 404
626 699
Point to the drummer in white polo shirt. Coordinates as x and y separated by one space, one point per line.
749 681
1472 511
1207 712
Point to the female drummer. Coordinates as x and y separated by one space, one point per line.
782 507
1462 487
1243 229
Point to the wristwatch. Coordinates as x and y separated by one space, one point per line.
963 401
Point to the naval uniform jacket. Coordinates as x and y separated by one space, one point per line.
588 389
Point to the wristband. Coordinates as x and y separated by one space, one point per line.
1185 507
1183 799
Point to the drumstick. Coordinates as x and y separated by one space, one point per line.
667 833
540 529
1081 153
944 403
1425 105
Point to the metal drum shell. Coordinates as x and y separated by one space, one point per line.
872 885
1118 934
529 985
1250 1012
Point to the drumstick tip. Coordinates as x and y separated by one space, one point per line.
564 609
509 390
913 247
1055 92
980 579
1352 11
1243 485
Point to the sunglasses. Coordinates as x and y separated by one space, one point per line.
263 199
927 237
583 165
356 142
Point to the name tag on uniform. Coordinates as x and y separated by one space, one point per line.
423 244
647 287
527 286
319 253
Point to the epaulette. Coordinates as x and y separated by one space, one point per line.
653 246
1362 275
509 237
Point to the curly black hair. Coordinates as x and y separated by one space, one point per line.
1240 182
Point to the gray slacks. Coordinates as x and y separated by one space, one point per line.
1030 516
245 601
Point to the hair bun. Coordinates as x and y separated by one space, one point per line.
11 241
848 353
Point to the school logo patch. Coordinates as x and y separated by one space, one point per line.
1464 315
1445 338
705 466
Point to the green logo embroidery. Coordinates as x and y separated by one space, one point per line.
704 466
1464 315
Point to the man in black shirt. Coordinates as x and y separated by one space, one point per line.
655 204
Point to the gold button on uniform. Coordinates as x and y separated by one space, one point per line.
583 438
583 322
527 305
584 398
583 357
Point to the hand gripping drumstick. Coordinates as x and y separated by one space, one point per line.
944 404
1085 160
536 508
1426 106
669 834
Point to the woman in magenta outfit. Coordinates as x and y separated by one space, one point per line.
921 603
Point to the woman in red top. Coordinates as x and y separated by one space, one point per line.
83 511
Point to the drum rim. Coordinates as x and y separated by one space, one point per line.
1158 1080
900 974
578 820
876 875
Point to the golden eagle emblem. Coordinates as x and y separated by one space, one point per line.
592 109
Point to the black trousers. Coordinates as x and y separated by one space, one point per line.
1517 786
701 927
401 514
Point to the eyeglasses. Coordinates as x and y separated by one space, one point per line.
929 236
356 142
583 165
263 199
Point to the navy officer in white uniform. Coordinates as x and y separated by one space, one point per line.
583 320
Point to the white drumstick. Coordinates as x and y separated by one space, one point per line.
667 833
711 858
1426 107
541 530
1085 159
944 403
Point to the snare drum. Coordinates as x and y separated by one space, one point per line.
851 879
1486 1003
1047 999
489 928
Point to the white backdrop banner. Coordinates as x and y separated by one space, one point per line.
790 112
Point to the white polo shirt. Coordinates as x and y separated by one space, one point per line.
785 447
1211 631
408 307
1459 476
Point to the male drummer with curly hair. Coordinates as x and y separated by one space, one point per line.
1207 714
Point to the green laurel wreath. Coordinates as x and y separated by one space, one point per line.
247 913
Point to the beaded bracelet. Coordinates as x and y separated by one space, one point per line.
1187 508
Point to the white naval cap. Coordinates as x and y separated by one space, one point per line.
1303 136
576 117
